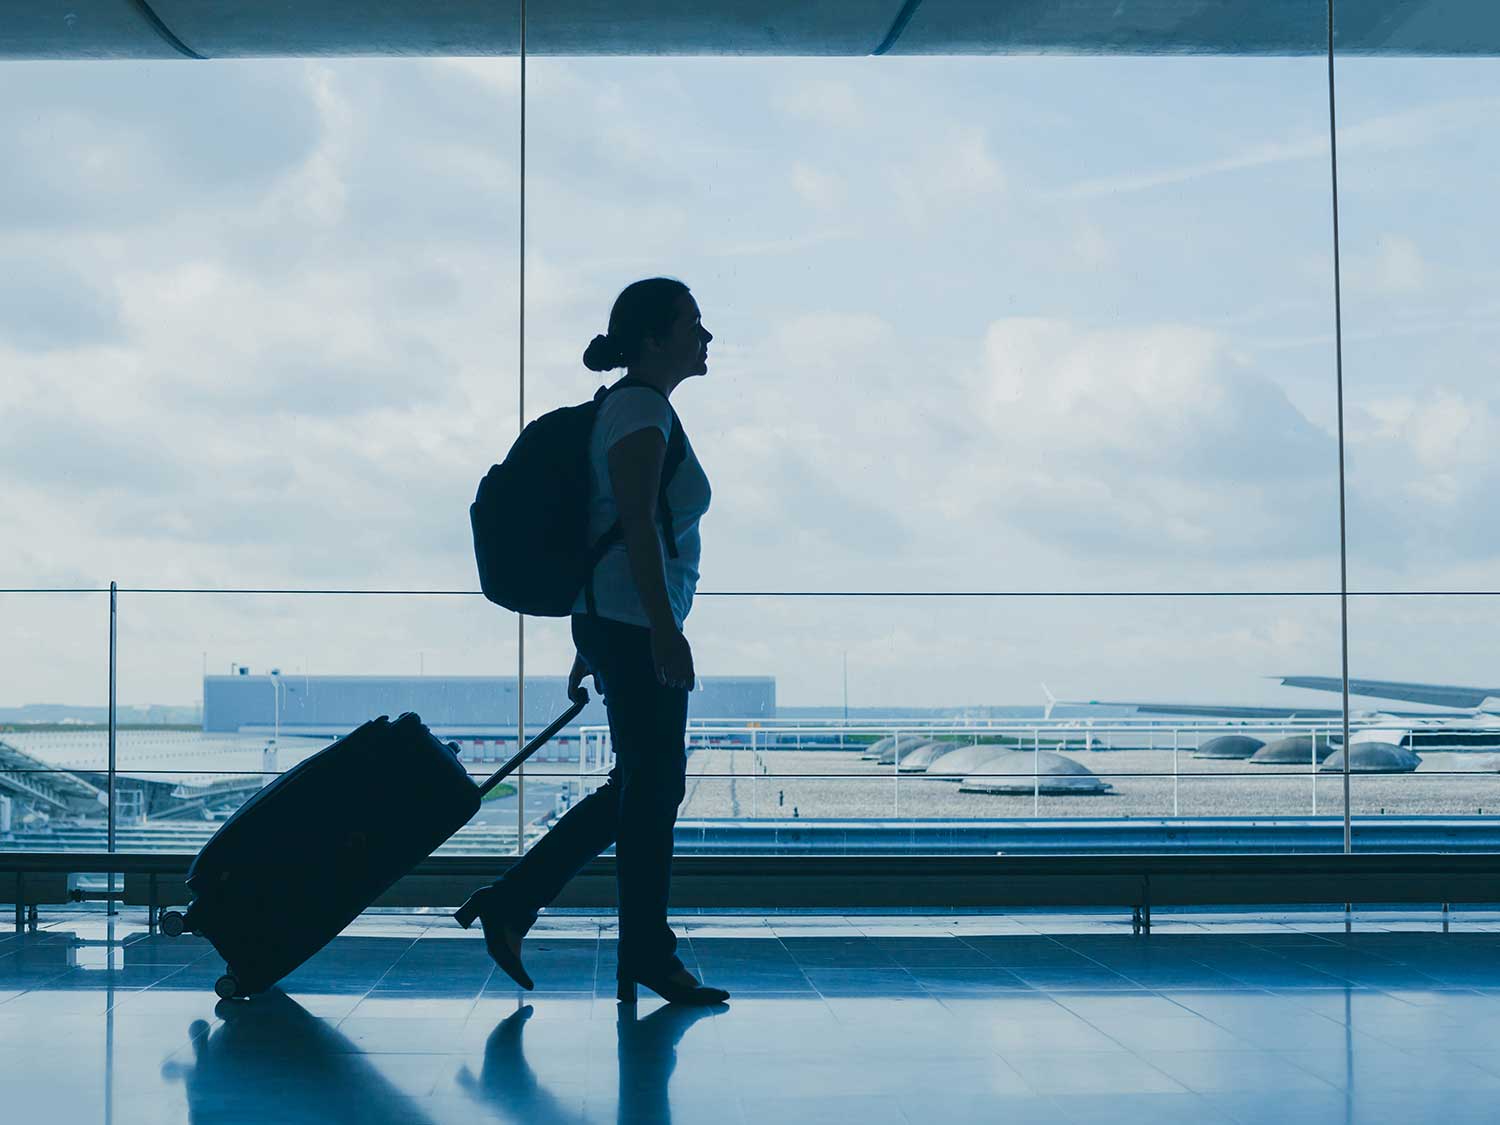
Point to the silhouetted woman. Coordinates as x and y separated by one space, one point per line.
627 626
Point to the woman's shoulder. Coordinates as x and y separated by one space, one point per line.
646 401
635 408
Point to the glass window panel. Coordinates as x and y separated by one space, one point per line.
1426 759
1416 187
55 698
277 677
1416 190
260 318
979 323
966 681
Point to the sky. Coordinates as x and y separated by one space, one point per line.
982 324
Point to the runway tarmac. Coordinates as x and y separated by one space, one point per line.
727 783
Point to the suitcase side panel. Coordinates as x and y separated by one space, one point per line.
316 853
252 821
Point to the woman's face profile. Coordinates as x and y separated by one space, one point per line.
685 351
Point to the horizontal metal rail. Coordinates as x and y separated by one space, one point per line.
851 882
1164 864
406 592
884 774
929 838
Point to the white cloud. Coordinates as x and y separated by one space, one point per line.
1043 455
1396 268
954 168
828 102
1256 155
1139 444
1422 478
1407 128
1450 431
815 186
500 75
1164 396
1091 247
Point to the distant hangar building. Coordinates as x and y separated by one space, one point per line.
480 712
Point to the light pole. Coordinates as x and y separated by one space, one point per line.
846 699
277 687
275 706
846 687
270 762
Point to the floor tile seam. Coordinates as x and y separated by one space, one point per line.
1148 985
935 993
1363 980
1330 1087
986 954
1038 992
474 1003
410 945
1291 1057
808 984
1196 1014
41 986
1224 1101
1414 1053
1086 956
179 969
365 995
1183 1086
1292 996
1333 982
1394 1040
1344 953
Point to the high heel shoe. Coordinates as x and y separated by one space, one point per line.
670 990
482 904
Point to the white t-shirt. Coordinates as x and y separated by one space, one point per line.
622 413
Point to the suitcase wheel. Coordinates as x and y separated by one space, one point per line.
172 923
227 987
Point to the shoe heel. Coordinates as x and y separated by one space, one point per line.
625 991
466 913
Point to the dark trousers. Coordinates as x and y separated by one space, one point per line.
635 809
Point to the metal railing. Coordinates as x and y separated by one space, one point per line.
758 755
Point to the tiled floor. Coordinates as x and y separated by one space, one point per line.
1068 1018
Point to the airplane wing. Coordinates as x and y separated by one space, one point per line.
1455 696
1439 695
1210 710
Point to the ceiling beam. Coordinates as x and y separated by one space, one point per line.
194 29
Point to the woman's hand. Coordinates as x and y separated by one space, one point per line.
672 657
576 676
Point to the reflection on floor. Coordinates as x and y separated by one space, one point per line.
1056 1018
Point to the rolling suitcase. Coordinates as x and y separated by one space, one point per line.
300 860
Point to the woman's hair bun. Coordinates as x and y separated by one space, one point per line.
602 354
644 310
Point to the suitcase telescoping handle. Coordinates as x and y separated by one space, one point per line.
580 701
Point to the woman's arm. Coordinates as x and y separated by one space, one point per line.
635 464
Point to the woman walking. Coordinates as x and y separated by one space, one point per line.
647 493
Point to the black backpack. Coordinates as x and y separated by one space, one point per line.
530 516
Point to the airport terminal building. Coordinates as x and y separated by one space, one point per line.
478 712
